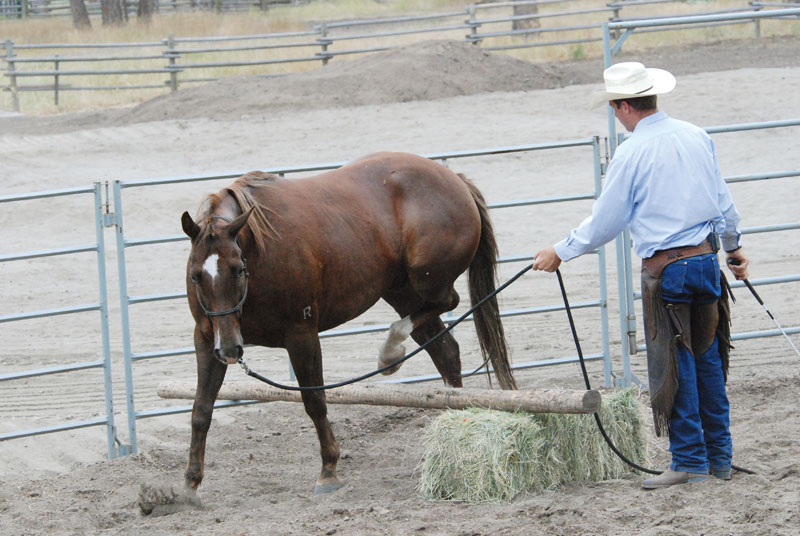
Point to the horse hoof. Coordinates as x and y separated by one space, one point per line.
160 500
388 372
320 489
390 354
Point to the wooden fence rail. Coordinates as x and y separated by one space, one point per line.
23 9
172 57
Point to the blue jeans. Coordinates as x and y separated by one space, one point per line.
699 434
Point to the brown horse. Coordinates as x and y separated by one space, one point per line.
320 251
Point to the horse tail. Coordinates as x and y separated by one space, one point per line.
482 282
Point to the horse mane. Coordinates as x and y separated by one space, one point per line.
242 190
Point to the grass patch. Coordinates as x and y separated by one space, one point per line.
479 455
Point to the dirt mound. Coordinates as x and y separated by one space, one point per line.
421 71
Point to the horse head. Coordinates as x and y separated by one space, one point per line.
216 281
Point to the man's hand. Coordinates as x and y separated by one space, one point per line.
738 264
546 259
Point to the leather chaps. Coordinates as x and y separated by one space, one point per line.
666 325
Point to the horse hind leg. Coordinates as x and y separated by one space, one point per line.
393 348
423 324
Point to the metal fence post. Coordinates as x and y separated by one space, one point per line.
114 447
55 82
126 329
621 242
757 22
473 26
12 78
615 18
323 35
172 55
608 369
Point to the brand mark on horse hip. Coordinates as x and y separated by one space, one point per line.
306 312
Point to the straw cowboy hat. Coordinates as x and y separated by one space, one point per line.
631 79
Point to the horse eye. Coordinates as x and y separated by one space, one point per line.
195 278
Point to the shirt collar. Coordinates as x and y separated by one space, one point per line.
650 119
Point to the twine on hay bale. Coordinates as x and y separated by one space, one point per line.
477 455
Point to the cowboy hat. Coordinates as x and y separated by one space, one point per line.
631 79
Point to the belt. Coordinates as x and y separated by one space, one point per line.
660 259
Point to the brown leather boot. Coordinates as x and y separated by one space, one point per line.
670 478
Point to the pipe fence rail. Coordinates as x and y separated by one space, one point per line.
166 64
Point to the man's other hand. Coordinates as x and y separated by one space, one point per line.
738 264
546 259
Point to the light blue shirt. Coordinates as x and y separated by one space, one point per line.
663 182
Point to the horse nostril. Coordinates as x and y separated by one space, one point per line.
239 351
218 355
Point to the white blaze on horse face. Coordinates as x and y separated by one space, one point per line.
211 267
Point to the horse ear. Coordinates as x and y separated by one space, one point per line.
236 225
189 226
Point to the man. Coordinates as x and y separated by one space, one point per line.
664 182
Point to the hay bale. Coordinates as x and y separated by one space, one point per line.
479 455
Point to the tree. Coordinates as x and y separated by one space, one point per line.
145 10
524 24
522 10
80 16
112 12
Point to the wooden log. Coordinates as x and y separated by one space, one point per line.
533 401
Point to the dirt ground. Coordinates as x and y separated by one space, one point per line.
263 459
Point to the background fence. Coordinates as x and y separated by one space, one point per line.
175 61
21 9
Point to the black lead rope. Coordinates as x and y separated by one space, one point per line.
449 328
589 387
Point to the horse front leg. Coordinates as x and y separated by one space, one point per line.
210 374
306 357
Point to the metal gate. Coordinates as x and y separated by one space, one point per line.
115 447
